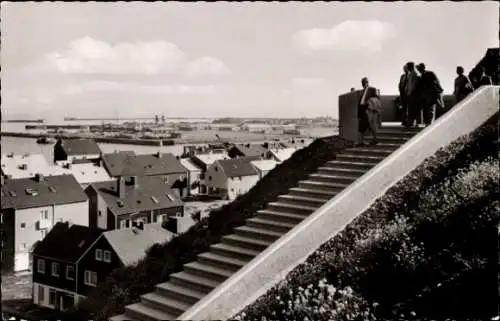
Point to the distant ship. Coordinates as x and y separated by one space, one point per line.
45 140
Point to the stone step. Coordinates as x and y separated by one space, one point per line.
291 208
337 164
164 304
257 233
207 271
303 200
395 133
236 252
142 312
246 242
280 216
354 173
121 317
333 187
370 152
307 192
193 282
278 226
179 292
360 158
319 177
222 261
389 139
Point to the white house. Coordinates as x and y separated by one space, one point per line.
71 150
203 161
194 175
282 154
264 166
231 177
31 207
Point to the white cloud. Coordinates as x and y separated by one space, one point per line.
90 56
308 82
206 65
350 35
111 86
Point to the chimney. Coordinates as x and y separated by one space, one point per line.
121 187
158 154
39 177
134 181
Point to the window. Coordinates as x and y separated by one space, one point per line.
124 223
23 246
163 217
98 255
99 213
107 256
55 269
44 233
45 215
178 214
239 178
41 293
41 266
70 272
90 278
209 178
216 169
23 225
52 296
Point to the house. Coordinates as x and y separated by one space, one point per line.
31 207
16 166
252 150
76 149
281 154
231 177
264 166
256 127
57 278
194 174
84 173
64 275
161 165
203 161
118 204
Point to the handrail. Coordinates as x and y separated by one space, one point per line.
273 264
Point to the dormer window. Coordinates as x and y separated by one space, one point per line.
30 191
154 199
12 193
170 197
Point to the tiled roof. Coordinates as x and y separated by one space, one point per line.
251 149
128 164
80 147
237 167
52 190
36 163
209 159
264 164
67 242
283 154
85 173
131 244
152 193
189 165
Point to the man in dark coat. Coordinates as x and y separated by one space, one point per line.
402 95
430 91
364 123
412 96
463 86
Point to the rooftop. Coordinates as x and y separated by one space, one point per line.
80 147
130 244
130 164
282 154
237 167
25 193
150 194
85 173
251 149
264 164
24 166
209 159
67 242
189 165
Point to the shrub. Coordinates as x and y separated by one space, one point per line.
382 244
125 285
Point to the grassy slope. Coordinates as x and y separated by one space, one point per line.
368 269
124 286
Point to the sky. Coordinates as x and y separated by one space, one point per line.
222 59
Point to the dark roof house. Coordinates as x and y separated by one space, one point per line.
41 191
75 147
130 164
253 150
237 167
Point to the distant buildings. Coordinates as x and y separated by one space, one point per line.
232 177
69 150
130 201
73 260
31 207
161 165
256 127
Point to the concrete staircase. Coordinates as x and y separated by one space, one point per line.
184 289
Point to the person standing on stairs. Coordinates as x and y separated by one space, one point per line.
365 120
402 95
463 86
412 96
430 90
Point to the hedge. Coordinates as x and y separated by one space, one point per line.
125 285
385 243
